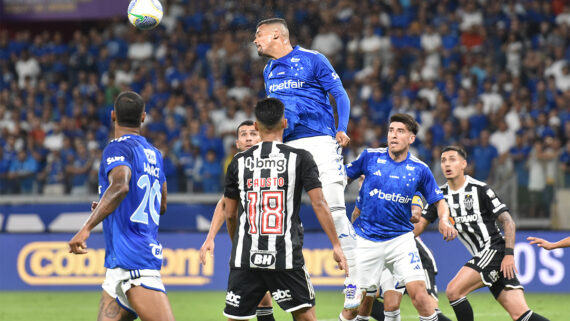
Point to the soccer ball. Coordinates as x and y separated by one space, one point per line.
145 14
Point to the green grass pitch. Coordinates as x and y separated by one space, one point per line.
208 305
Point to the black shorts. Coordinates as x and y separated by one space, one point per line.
291 289
488 264
429 265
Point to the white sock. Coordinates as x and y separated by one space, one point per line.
392 315
432 317
341 318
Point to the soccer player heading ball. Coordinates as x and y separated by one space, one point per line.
302 80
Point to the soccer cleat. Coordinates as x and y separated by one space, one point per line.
352 297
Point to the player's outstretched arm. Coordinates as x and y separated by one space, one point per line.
508 264
445 228
218 220
548 245
230 213
119 178
324 216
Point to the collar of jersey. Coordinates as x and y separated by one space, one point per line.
462 188
393 161
287 56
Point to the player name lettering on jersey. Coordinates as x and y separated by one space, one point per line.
152 170
286 85
393 197
265 182
277 163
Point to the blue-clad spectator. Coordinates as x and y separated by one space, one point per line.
210 141
483 158
22 173
53 175
4 168
77 168
519 154
211 173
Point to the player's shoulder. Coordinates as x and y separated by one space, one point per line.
473 181
307 52
417 161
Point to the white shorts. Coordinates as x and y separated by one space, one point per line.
399 256
118 281
327 153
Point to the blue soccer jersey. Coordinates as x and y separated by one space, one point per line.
302 80
385 198
131 230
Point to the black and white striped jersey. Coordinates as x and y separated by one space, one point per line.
473 210
267 180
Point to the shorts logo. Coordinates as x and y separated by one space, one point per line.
232 299
262 259
468 201
494 276
281 295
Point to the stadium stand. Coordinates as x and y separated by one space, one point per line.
494 78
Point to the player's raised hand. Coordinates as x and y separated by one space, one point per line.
208 246
540 242
508 267
342 139
447 230
338 256
77 245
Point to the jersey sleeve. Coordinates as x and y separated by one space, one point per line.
429 188
116 154
356 168
417 201
330 81
160 158
231 188
309 172
492 202
430 213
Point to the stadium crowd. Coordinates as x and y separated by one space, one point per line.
492 76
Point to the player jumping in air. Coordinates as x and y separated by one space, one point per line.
475 209
302 79
132 189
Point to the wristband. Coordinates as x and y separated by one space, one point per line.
509 251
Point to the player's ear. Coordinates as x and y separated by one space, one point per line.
255 125
285 123
412 139
143 116
113 117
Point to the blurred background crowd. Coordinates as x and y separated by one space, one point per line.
492 76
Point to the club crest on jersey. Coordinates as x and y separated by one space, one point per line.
277 163
468 202
150 155
262 259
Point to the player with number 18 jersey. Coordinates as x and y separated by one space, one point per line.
131 230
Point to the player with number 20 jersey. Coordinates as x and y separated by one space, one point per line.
131 232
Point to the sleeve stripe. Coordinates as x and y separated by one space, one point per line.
496 209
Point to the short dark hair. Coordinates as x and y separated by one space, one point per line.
129 107
272 21
456 148
244 123
407 120
269 112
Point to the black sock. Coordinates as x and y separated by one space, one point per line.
265 314
463 310
441 316
531 316
377 310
